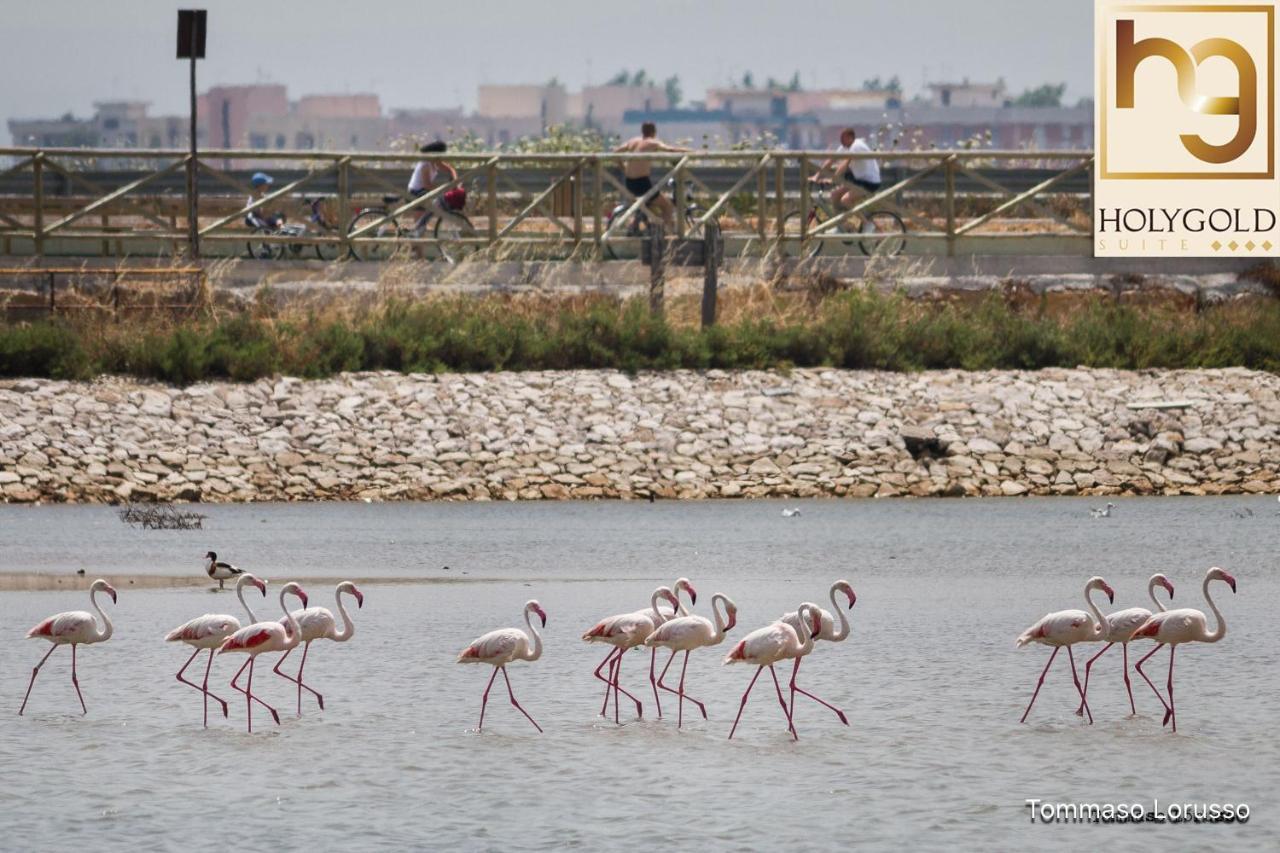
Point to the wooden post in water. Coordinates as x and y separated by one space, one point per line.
712 250
657 266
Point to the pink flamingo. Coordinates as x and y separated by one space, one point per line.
623 632
1172 628
209 632
501 647
1066 628
686 633
1120 627
261 637
73 628
770 644
681 585
828 632
317 623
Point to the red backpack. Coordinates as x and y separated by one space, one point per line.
456 198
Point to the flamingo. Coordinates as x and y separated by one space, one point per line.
624 632
209 632
686 633
1172 628
218 570
318 624
501 647
770 644
683 584
827 632
72 628
261 637
1066 628
1120 627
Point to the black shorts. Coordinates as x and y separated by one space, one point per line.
858 182
639 186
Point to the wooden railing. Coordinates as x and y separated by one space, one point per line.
132 202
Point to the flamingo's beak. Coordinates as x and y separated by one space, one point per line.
693 595
359 597
1111 593
262 587
302 595
817 624
1169 586
1229 579
112 592
853 599
733 619
542 614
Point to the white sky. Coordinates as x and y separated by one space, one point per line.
60 55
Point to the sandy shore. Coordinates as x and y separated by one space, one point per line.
45 581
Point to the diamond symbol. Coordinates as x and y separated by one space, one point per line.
1216 245
1250 246
1233 245
1267 245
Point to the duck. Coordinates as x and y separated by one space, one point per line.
218 570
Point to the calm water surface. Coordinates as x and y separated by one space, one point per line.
934 756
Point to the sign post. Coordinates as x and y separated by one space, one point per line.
191 32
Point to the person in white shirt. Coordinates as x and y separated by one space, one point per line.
426 175
854 177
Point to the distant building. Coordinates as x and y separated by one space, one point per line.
114 124
227 111
926 126
547 104
966 94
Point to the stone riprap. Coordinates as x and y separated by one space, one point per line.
603 434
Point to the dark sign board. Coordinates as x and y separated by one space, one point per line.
191 27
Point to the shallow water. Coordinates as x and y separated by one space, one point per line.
934 755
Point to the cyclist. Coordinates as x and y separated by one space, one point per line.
855 177
638 173
426 175
261 183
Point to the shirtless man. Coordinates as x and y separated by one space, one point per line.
638 173
854 178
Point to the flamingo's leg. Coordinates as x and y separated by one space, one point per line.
680 713
512 694
617 674
1133 710
302 685
663 674
76 681
608 659
205 688
803 692
680 692
1154 689
743 704
249 698
653 659
1172 716
34 672
1088 665
783 702
1040 683
248 703
484 700
1076 678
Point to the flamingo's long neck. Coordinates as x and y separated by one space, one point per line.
240 584
536 651
105 632
681 610
1100 625
719 620
295 630
1221 630
1151 591
806 626
348 629
658 618
843 631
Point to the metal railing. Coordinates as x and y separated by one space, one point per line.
132 202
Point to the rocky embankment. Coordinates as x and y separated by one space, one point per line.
601 434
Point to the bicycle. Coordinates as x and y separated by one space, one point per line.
318 216
452 232
638 227
888 226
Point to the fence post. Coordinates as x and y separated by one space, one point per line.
597 199
805 204
712 250
680 200
344 206
491 190
762 227
951 205
52 286
657 267
37 171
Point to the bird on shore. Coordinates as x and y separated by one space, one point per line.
1066 628
623 632
209 632
261 637
72 628
1104 512
317 623
827 631
686 633
1172 628
1119 629
790 512
501 647
770 644
218 570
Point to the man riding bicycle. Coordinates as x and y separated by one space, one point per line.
855 177
261 183
638 173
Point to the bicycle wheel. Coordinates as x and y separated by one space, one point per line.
264 251
892 231
328 251
637 227
450 231
790 245
387 230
